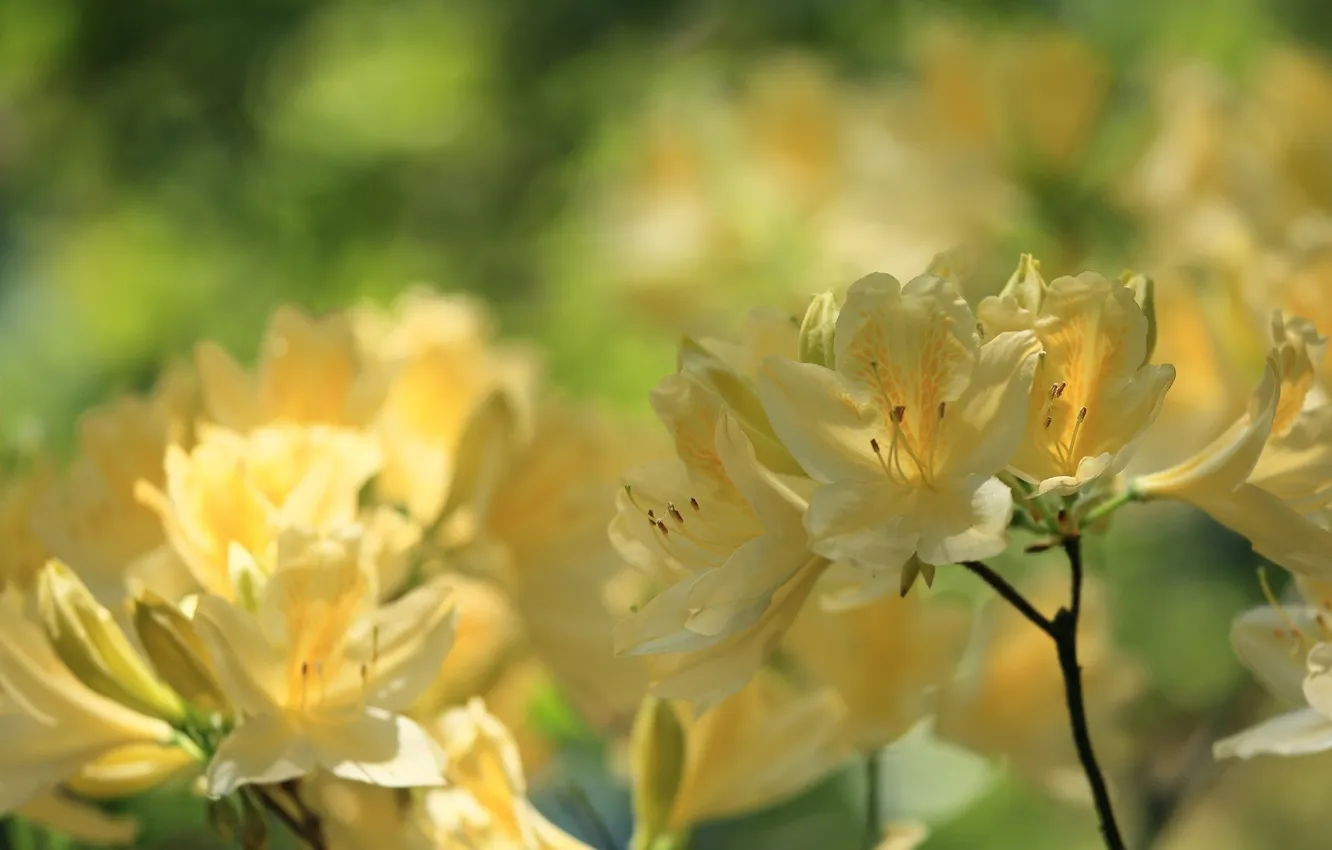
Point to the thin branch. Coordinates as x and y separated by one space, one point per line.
1011 595
873 818
1065 633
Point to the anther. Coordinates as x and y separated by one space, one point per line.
661 526
874 445
1048 420
1054 391
899 413
670 506
693 503
1082 414
1059 393
943 406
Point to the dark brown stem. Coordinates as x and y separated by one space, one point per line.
1065 632
302 822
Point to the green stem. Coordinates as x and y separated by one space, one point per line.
22 835
1107 507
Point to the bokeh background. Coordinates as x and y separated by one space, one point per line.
611 175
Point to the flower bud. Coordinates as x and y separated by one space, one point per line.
129 770
1144 292
94 648
658 754
1026 286
223 819
176 652
817 330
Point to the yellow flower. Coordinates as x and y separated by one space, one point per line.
1265 477
318 672
485 806
80 821
225 501
884 660
907 434
357 816
1011 704
758 747
1286 648
540 530
310 372
1094 392
486 634
52 723
727 532
24 551
443 367
90 518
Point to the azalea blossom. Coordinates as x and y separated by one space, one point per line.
1288 650
318 674
225 501
725 533
310 372
1266 476
485 805
1094 393
907 433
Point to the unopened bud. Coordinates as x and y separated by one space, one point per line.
176 652
817 331
657 759
94 648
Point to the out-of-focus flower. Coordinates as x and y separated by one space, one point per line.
310 372
1009 703
226 500
24 551
443 364
1266 476
907 433
727 533
78 820
357 816
1094 393
485 806
90 517
903 836
485 638
317 673
1286 648
761 745
176 652
53 724
884 659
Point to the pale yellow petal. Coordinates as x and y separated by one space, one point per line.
80 821
250 669
958 526
378 748
819 420
1297 733
984 427
262 750
872 524
230 394
404 644
1264 643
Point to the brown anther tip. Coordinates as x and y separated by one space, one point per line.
1063 385
1039 546
693 503
1048 421
305 668
675 514
652 515
661 526
1082 414
943 407
899 413
874 445
1054 391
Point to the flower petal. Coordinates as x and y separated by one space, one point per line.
819 420
1274 529
986 425
380 749
956 528
725 600
404 644
261 750
778 507
870 524
249 668
1293 734
1262 640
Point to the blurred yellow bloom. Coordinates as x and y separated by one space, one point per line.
439 352
24 551
225 501
357 816
727 532
907 433
130 769
540 529
310 372
1266 476
1094 393
1286 649
884 660
90 518
317 672
79 821
1010 703
485 805
486 633
758 747
52 723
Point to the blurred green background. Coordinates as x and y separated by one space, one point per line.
171 171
